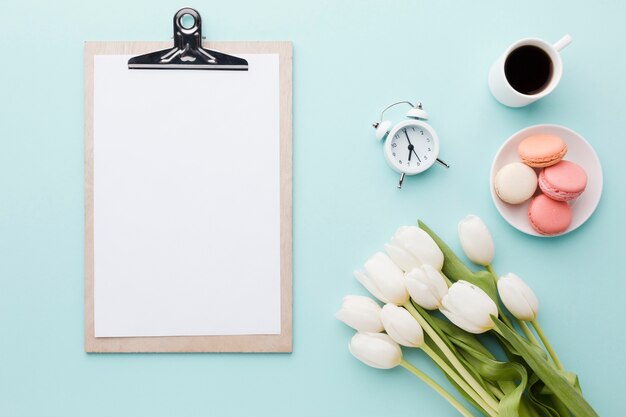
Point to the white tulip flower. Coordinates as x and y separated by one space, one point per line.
518 298
426 286
361 313
383 279
401 326
476 240
377 350
469 307
411 247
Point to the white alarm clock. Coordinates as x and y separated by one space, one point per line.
411 146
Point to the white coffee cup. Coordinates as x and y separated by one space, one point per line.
500 86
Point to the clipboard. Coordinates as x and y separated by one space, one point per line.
188 51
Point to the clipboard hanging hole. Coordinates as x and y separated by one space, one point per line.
187 21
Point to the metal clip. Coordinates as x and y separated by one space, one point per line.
188 52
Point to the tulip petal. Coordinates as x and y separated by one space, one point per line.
377 350
423 247
361 313
469 307
401 326
387 277
401 257
369 285
518 298
461 322
436 281
426 286
359 321
418 248
421 295
527 293
476 240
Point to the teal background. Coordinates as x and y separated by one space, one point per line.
351 59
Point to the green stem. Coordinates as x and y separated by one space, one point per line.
464 386
431 383
504 317
493 404
529 334
492 271
497 392
547 344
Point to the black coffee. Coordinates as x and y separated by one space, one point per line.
528 69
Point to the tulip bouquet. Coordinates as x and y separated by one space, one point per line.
435 303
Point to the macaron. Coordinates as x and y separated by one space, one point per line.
564 181
542 150
515 183
548 216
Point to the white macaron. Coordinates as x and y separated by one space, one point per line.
515 183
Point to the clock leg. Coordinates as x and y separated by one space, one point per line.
443 163
401 180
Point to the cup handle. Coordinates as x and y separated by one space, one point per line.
562 43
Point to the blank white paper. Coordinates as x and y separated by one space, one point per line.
186 200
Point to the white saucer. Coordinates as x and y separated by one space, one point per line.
578 151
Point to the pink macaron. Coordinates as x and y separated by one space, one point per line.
548 216
564 181
540 151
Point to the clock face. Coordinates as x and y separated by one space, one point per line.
412 147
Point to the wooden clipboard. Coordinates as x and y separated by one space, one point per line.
220 343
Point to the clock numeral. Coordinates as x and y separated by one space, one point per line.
393 145
425 157
422 132
427 139
418 164
428 149
394 154
400 162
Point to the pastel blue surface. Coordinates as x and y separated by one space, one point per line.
350 60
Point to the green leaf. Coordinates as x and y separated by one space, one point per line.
561 388
526 404
544 403
513 354
503 371
570 377
490 369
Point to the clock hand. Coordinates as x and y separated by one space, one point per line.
411 148
410 145
407 138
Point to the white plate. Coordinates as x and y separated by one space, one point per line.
578 151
